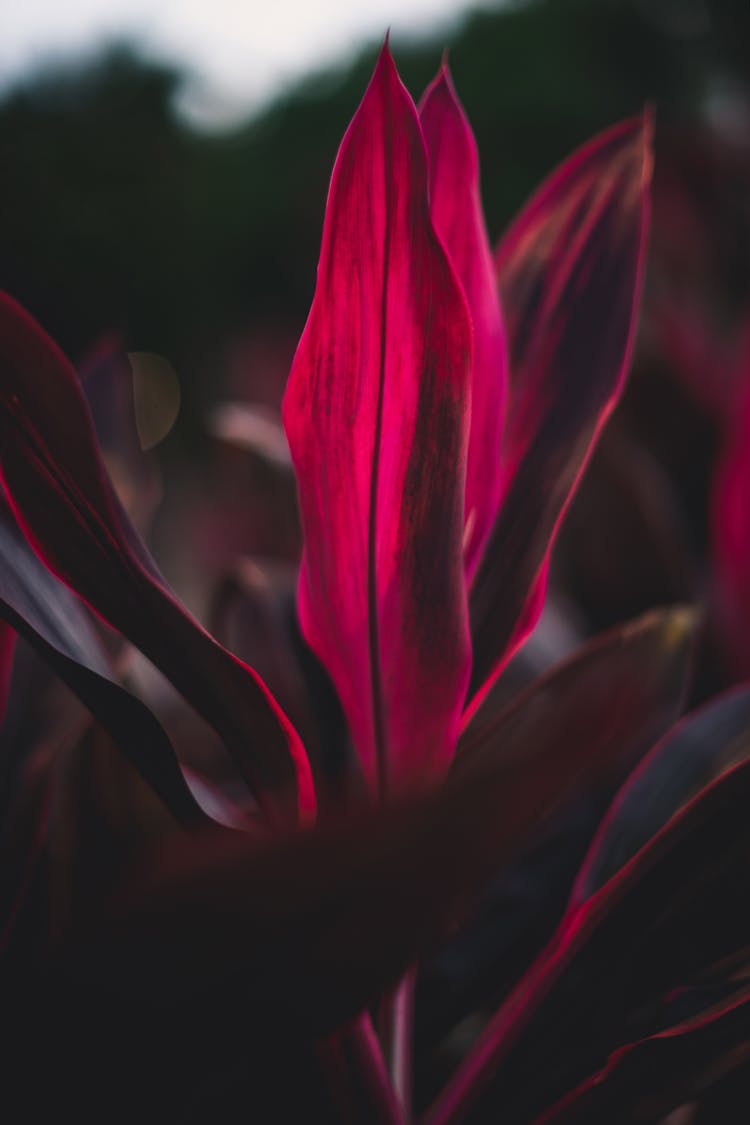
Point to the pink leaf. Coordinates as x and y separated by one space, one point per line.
456 209
67 508
571 271
377 415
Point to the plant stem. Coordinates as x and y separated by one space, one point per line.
396 1026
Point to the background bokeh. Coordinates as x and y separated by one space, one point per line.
119 216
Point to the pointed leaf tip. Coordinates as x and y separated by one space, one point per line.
376 413
570 270
456 209
67 508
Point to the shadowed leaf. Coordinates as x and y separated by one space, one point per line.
605 706
107 381
570 271
49 617
673 912
303 932
254 615
456 209
655 1075
67 508
630 679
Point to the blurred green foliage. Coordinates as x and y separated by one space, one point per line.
116 216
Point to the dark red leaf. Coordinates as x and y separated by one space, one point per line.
47 615
254 615
570 271
731 526
625 684
66 505
595 715
671 913
304 931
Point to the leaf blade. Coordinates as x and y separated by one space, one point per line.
456 209
65 504
570 270
376 413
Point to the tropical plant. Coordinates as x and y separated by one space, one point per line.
160 964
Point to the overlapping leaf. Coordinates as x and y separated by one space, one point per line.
731 526
67 508
377 416
43 611
254 615
701 747
303 932
571 1010
570 270
456 209
603 708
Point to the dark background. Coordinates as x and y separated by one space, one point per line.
113 214
116 216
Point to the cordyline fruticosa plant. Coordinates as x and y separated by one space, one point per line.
273 971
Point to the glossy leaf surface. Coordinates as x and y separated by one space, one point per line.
377 414
254 615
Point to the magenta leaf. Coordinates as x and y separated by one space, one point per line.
570 271
570 1010
67 508
377 415
456 209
